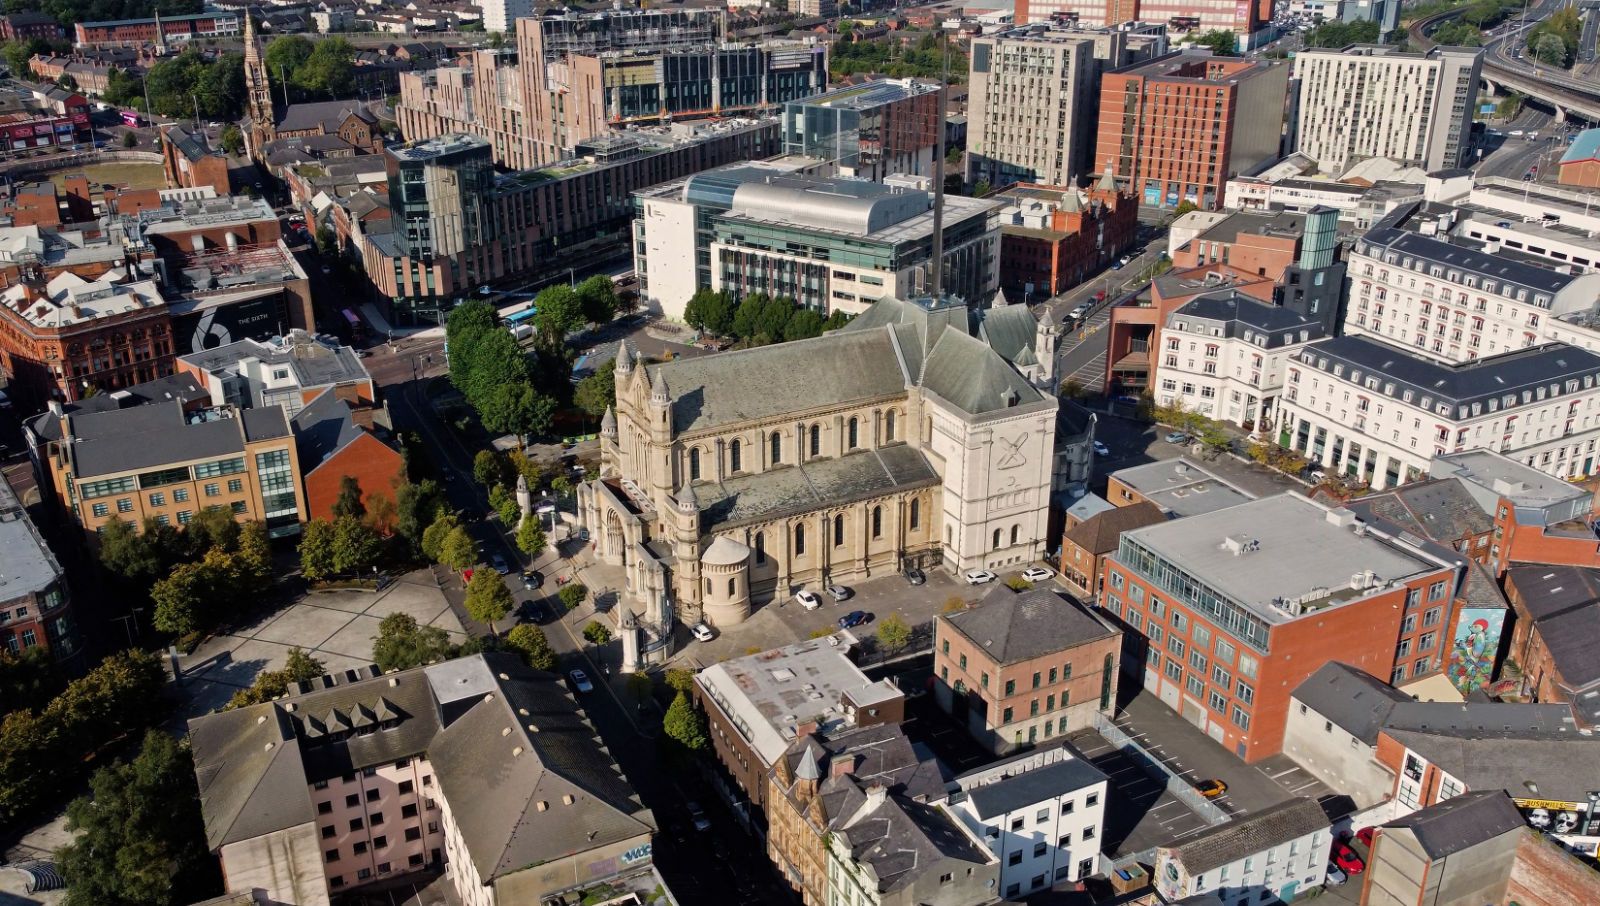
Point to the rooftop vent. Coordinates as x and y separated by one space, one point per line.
1240 544
1341 518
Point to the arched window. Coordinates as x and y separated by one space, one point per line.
996 539
816 441
777 448
877 522
694 463
733 456
854 431
1014 534
761 547
708 586
731 586
799 540
888 426
916 513
838 530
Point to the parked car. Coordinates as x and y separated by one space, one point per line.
1036 574
1346 858
1078 312
1516 133
580 681
698 816
1335 876
1101 449
807 599
979 576
915 576
484 290
701 632
532 580
839 592
1177 437
1210 789
854 618
1125 261
1365 836
499 564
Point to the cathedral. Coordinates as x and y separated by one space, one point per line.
921 434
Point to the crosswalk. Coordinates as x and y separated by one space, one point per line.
1089 372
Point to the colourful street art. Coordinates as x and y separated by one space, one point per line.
1473 647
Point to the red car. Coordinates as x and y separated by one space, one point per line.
1346 859
1365 836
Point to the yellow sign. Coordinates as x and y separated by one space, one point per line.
1551 805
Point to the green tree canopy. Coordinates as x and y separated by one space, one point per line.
529 641
488 600
316 550
348 503
489 468
572 595
596 632
710 311
597 391
141 840
232 140
417 505
433 537
402 643
458 551
356 547
894 634
560 313
685 724
298 667
597 298
1221 42
530 536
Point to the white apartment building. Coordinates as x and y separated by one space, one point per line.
1031 102
1366 408
1413 284
1374 101
1223 356
1279 852
502 15
1041 814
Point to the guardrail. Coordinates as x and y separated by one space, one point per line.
1159 772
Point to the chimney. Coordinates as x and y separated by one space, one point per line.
842 766
807 728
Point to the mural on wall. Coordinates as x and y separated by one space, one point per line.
1473 647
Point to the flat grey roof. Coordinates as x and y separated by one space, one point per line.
143 437
1522 483
26 563
1268 554
767 695
1182 486
1029 786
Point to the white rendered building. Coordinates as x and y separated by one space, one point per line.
1041 814
1363 407
1278 853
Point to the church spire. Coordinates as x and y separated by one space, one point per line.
263 125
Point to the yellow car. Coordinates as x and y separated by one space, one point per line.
1211 789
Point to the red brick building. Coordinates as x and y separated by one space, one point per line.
154 31
1537 518
1555 629
1135 325
56 344
1085 545
333 446
1178 127
1228 611
189 161
25 26
1255 243
1053 238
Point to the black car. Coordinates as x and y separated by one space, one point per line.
915 576
532 580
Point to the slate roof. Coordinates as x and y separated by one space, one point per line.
1461 822
264 423
1363 705
1028 788
1353 699
322 429
807 486
901 840
1564 604
1012 626
1099 533
508 757
1240 313
1561 765
181 387
1457 385
1226 843
142 437
1464 256
1440 509
325 114
972 377
192 145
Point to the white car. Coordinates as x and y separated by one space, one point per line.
808 600
1036 574
979 576
701 632
1516 133
1101 449
1336 875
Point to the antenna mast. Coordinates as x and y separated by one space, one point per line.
936 266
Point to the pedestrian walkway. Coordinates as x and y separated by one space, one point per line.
382 329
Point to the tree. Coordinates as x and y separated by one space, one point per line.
1221 42
382 514
572 595
488 599
530 536
803 325
747 314
329 70
299 667
316 550
417 505
1183 208
710 311
458 551
402 643
596 632
28 679
488 468
211 528
516 407
598 391
130 140
232 140
348 503
253 559
1212 435
894 634
597 297
684 724
1550 50
529 641
680 679
181 599
356 547
433 537
130 556
140 836
560 313
284 56
505 505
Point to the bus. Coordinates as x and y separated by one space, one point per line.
132 118
358 329
519 318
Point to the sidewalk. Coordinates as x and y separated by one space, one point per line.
382 329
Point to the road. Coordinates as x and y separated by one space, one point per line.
724 865
1081 356
1510 155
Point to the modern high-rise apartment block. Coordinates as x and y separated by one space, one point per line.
871 131
502 15
1177 128
1177 16
1372 100
437 195
1032 99
574 77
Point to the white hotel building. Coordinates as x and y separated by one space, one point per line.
1366 408
1456 299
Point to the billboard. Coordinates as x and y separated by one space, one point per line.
257 319
1473 647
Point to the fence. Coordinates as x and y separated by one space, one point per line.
1159 772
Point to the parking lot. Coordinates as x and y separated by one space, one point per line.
1140 813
